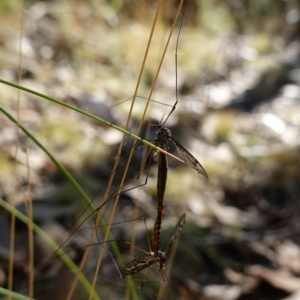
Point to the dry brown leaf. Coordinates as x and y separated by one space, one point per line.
224 292
248 283
289 255
281 279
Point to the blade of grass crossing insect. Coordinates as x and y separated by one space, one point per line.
19 87
51 243
130 134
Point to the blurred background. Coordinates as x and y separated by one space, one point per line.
238 113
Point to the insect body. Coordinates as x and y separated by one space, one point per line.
163 137
157 256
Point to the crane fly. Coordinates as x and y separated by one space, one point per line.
157 256
163 137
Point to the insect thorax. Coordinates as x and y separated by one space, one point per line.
161 258
163 135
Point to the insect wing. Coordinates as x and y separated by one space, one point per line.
190 159
176 232
139 264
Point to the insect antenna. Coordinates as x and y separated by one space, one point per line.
176 72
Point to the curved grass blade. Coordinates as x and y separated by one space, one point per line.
128 133
13 295
62 169
65 258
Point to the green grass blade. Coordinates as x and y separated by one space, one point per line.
81 112
64 257
68 176
60 166
128 133
64 171
13 295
